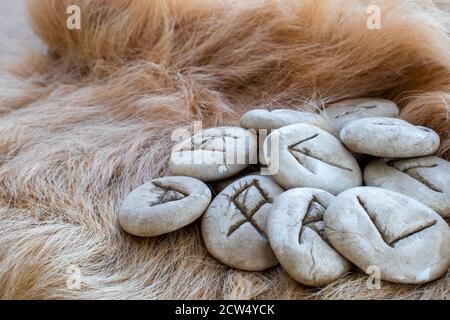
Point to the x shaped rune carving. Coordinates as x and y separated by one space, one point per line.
300 153
389 239
239 199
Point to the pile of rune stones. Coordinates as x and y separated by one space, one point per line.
352 185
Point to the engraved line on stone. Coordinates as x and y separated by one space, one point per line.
412 231
310 222
355 110
169 194
206 140
248 214
307 153
373 219
391 124
254 183
299 160
305 140
403 235
416 175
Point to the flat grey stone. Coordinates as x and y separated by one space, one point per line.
408 241
234 226
214 154
275 119
345 111
296 233
426 179
164 205
389 137
304 156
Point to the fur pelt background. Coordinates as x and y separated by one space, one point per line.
85 123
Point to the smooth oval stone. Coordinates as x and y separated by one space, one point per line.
164 205
275 119
406 240
389 137
296 233
234 226
309 157
214 153
426 179
345 111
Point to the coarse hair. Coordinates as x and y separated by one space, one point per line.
89 120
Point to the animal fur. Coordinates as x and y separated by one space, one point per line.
84 124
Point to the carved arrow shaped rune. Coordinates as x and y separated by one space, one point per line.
167 194
301 153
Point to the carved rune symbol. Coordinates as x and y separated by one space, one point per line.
313 219
165 194
301 154
248 199
355 110
412 171
211 143
393 123
387 236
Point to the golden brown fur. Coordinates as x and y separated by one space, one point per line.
83 125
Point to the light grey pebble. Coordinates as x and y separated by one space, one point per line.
214 154
345 111
389 137
377 228
275 119
304 156
426 179
296 233
164 205
234 226
265 121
